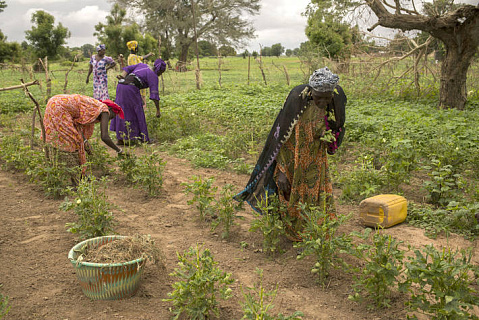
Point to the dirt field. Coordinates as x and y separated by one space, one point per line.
41 283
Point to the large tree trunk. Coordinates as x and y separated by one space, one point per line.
453 90
181 64
458 30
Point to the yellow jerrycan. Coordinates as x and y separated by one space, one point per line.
385 210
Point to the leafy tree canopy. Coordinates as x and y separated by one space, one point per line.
3 5
117 32
176 20
277 49
44 37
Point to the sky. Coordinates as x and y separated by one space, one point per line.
279 21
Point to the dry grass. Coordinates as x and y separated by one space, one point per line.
126 249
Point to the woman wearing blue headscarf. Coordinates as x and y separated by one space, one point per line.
293 164
134 78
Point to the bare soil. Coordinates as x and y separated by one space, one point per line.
41 283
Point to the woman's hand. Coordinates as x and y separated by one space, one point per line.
158 113
87 147
283 185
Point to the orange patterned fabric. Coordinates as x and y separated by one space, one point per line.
303 159
69 120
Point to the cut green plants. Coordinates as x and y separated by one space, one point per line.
258 302
200 283
92 208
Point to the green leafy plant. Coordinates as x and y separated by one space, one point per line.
100 160
363 181
258 302
382 266
441 283
225 209
203 194
14 153
201 283
149 171
4 307
92 209
269 223
144 171
400 161
320 239
445 184
53 175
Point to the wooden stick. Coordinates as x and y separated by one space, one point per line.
21 86
39 115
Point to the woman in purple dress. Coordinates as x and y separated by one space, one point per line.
99 65
133 78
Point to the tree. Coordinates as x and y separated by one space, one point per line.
222 20
289 52
277 49
329 34
46 39
206 48
87 50
9 51
266 51
3 5
117 32
226 51
457 29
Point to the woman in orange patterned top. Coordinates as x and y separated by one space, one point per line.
70 120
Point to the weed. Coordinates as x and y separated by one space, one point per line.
258 302
201 283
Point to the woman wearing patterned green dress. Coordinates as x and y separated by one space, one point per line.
293 164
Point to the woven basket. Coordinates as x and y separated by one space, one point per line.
106 281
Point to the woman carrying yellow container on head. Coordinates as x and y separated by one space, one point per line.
134 58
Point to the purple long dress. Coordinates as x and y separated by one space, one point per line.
129 98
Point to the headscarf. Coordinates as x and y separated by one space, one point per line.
323 80
159 66
132 45
100 47
114 107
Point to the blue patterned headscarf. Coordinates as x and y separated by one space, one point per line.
323 80
100 47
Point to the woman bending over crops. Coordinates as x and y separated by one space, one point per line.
134 58
70 120
133 78
293 164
